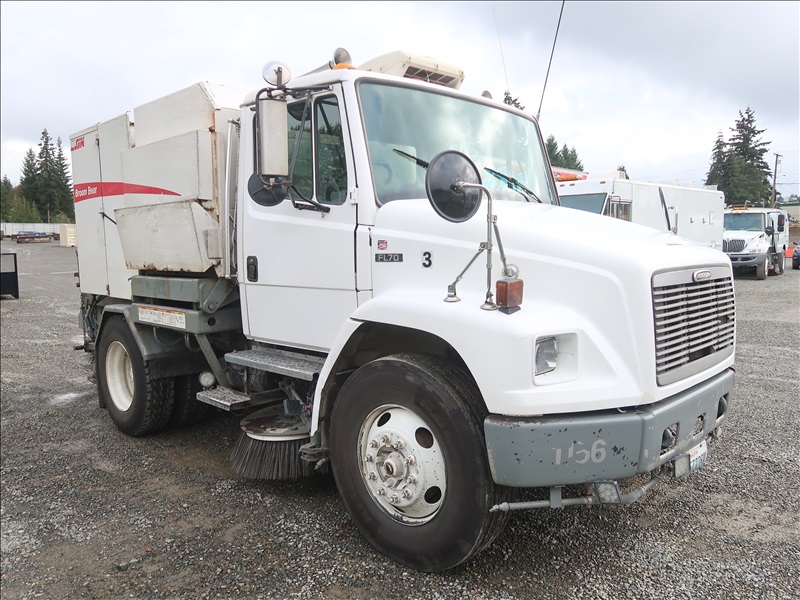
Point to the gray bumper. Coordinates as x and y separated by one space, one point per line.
740 261
606 445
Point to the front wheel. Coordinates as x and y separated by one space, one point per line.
409 459
780 259
761 270
137 403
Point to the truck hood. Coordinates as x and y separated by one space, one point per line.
533 235
747 236
587 278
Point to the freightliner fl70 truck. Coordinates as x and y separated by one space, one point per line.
373 268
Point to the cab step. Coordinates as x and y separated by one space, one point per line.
228 399
292 364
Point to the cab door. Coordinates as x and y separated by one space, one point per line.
297 260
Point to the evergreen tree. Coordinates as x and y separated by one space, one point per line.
67 202
566 158
5 198
48 199
715 175
28 182
738 167
552 149
21 210
569 159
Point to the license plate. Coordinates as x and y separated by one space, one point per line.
697 456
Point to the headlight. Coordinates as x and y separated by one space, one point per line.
545 355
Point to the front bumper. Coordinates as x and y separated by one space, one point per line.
741 261
605 445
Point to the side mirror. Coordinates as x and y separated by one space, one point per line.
446 171
272 125
769 230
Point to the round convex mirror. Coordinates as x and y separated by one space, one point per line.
456 204
263 195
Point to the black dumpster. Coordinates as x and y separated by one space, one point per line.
9 275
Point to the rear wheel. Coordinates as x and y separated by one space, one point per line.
187 409
137 403
409 458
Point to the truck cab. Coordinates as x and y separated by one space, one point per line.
756 239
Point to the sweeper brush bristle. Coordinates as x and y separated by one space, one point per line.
274 461
269 446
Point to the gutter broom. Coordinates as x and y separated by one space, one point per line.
269 446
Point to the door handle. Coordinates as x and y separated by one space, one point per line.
252 268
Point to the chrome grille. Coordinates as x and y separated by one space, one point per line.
733 245
695 320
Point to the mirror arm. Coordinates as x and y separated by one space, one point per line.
451 289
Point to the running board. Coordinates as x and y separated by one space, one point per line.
299 366
228 399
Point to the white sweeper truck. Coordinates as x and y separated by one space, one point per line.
372 267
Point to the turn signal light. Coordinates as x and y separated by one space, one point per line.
509 292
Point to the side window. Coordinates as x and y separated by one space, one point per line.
331 163
302 178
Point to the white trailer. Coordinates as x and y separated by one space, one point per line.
341 258
692 213
757 238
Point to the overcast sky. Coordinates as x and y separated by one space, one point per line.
648 85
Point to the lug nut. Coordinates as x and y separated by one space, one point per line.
381 491
369 458
394 498
407 494
410 460
398 445
385 438
373 443
372 475
412 479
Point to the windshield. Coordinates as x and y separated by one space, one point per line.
589 202
744 222
407 127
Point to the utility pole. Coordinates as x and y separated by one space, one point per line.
774 179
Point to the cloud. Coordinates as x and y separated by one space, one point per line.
647 84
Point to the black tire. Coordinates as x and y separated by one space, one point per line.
761 270
780 260
137 403
437 413
186 408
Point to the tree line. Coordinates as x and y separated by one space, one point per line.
738 167
44 193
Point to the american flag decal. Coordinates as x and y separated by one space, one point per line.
383 244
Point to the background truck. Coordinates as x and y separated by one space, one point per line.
692 213
340 257
757 238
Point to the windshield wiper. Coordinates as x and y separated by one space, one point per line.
513 184
419 161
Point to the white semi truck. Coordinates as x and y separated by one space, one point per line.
692 213
341 257
756 238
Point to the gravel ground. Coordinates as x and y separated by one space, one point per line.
88 512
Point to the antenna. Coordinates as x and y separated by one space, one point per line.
501 50
539 112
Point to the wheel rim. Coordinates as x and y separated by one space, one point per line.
119 375
402 464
